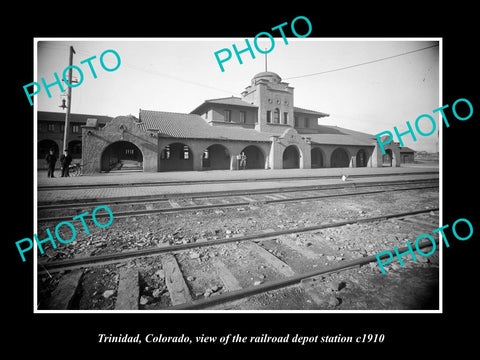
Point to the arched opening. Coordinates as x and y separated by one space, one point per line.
317 158
121 155
44 147
340 158
176 157
75 149
255 157
276 116
291 157
387 158
361 158
216 157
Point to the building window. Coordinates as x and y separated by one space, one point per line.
206 115
269 116
242 117
307 122
276 116
51 127
296 121
129 151
186 154
75 128
228 115
285 118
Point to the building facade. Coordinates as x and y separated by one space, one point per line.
263 125
50 133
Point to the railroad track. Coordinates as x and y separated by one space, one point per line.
122 207
199 182
188 276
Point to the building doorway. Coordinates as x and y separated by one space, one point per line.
255 157
340 158
317 158
216 157
387 158
291 157
361 158
44 147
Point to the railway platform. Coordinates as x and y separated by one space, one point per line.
125 184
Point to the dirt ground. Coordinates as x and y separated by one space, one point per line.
413 286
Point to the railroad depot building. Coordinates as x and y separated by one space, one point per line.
263 124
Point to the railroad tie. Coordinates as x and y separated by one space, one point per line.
62 296
271 259
176 285
307 253
229 281
128 289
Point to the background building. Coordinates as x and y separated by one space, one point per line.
263 124
51 126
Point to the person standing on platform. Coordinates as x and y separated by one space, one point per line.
65 160
51 160
243 161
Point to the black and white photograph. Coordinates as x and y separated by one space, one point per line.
276 197
214 182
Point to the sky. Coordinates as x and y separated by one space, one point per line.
328 75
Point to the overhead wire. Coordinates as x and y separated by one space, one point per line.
360 64
134 67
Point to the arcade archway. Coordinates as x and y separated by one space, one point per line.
317 158
339 158
44 147
361 158
387 158
216 157
291 157
255 157
121 155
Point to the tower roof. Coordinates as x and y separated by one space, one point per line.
267 75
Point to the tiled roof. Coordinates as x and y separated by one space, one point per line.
306 111
236 101
76 118
335 135
186 126
231 101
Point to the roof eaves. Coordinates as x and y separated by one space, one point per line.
307 111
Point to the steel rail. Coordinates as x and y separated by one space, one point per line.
241 203
92 260
192 182
159 198
281 283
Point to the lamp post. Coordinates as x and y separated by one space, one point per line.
69 100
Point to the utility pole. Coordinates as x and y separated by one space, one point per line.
69 100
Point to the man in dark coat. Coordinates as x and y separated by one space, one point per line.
51 160
65 160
